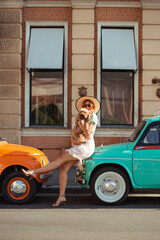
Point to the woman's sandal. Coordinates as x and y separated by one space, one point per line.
60 201
31 173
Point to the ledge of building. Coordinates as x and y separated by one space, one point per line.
64 132
76 3
37 132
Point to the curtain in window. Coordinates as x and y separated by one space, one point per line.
117 98
46 98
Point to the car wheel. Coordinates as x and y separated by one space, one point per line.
110 186
16 188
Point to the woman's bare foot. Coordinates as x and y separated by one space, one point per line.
31 173
60 201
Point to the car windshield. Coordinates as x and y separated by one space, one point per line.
137 131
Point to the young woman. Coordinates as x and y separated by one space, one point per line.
75 154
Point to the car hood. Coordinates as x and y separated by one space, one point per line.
112 147
18 150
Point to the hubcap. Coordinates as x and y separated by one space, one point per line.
109 185
18 188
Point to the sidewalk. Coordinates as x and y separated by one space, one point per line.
71 189
52 186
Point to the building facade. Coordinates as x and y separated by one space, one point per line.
53 52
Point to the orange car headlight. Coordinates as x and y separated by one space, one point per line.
44 161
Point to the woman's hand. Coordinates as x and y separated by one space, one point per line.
87 131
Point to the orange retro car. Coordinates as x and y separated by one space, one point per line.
15 186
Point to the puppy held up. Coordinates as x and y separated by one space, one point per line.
77 136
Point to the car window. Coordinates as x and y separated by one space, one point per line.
152 135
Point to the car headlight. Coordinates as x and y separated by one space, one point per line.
43 162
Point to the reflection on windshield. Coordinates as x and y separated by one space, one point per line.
137 131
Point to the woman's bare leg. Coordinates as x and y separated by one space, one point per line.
63 177
64 158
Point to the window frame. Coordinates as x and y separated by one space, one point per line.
121 25
47 24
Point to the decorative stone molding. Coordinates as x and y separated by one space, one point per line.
149 3
11 3
158 92
87 3
82 91
38 132
131 4
42 3
78 3
33 3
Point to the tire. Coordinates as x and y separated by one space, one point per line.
16 188
38 187
110 186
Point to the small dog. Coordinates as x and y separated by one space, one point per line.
78 137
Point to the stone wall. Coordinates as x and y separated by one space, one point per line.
151 59
82 52
10 74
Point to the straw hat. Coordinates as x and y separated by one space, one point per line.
80 101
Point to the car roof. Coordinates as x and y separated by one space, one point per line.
153 119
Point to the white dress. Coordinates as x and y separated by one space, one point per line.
85 150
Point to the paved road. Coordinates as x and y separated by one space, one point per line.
138 218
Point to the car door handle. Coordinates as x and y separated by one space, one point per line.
140 148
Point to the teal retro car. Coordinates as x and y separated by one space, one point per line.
115 170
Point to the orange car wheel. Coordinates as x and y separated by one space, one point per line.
16 188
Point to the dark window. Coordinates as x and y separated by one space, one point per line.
117 98
46 98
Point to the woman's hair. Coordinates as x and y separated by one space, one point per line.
90 102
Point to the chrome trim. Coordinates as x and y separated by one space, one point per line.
140 159
46 175
136 148
18 188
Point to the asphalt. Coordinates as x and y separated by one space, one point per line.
81 218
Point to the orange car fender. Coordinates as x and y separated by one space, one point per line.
25 162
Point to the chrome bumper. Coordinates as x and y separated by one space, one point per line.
81 181
46 175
